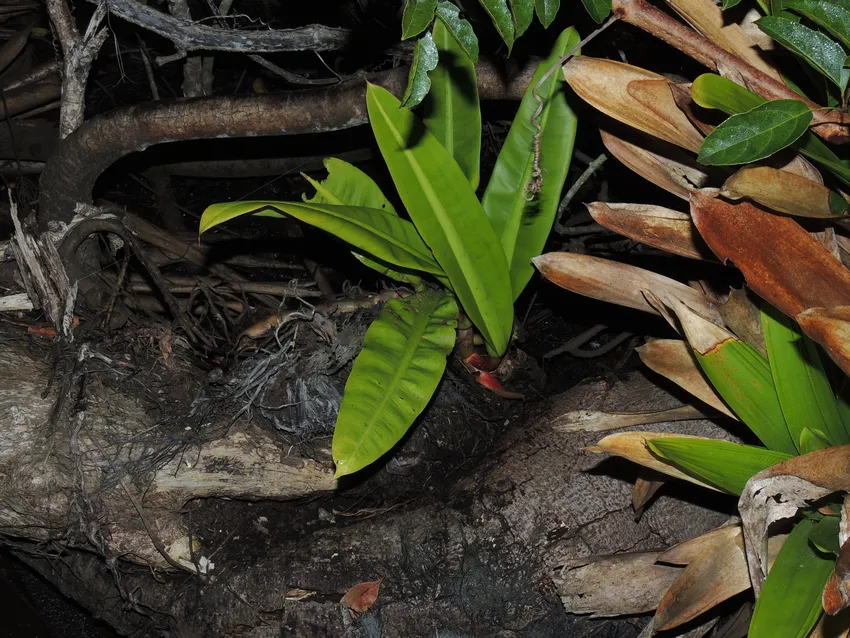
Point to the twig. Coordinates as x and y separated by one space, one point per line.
573 346
290 77
565 202
143 51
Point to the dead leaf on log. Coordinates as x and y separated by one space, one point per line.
656 226
362 596
634 96
686 551
646 486
619 585
594 421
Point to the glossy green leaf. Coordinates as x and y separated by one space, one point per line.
375 231
832 16
460 29
756 134
546 11
802 386
523 13
447 214
728 4
451 110
722 463
812 440
425 59
790 600
502 20
824 535
417 15
741 376
522 224
394 376
598 9
777 8
821 52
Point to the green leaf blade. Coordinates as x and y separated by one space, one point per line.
416 17
832 16
725 464
790 601
597 9
756 134
460 29
712 91
546 11
425 58
523 13
448 215
524 225
394 376
502 19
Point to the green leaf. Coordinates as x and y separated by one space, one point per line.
598 9
832 16
722 463
394 376
424 61
802 386
524 225
741 376
546 11
824 536
523 12
447 214
728 4
416 17
756 134
812 440
460 29
451 111
814 47
502 20
378 232
790 601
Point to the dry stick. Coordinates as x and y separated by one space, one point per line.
592 167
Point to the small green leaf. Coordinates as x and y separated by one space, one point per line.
728 4
722 463
451 110
598 9
812 440
832 16
394 376
523 13
756 134
460 29
824 536
790 601
522 224
425 59
417 15
502 20
814 47
448 215
546 11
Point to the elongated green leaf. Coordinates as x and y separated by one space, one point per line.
378 232
812 440
460 29
448 215
502 20
451 111
722 463
814 47
522 224
790 601
802 386
394 376
416 17
756 134
546 11
598 9
742 377
425 59
523 13
832 16
824 535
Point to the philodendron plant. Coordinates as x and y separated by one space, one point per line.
464 258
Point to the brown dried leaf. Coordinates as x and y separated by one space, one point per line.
781 191
362 596
794 163
606 586
743 318
832 626
645 489
634 96
686 551
830 327
673 359
696 114
715 575
593 421
656 226
618 283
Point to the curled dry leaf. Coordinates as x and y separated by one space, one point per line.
830 327
673 359
785 192
619 585
362 596
593 421
696 114
634 96
662 164
618 283
686 551
646 486
779 491
656 226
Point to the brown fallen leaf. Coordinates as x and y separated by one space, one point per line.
646 486
785 192
593 421
742 316
362 596
830 327
686 551
656 226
